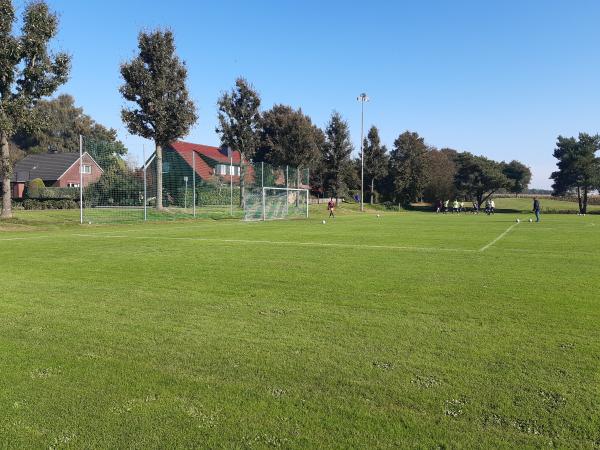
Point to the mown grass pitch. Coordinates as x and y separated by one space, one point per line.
405 330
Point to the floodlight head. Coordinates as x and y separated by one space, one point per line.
362 98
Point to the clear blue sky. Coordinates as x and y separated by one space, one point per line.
498 78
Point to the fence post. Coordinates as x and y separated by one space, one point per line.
264 205
231 179
80 179
194 180
145 184
307 201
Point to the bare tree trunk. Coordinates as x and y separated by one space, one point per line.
159 177
579 200
585 199
5 174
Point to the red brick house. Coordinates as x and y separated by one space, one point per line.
56 170
210 161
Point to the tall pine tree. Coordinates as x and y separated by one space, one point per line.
375 159
337 149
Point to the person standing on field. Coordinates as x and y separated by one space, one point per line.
446 206
331 208
536 209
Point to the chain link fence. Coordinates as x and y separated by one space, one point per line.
194 184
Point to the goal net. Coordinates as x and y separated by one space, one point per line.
276 203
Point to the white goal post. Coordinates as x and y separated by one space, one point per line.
276 203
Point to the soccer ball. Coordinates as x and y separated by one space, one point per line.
530 220
518 220
324 222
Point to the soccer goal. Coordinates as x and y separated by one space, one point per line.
276 203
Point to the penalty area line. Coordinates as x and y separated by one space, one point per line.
508 230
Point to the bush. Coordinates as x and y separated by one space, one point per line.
391 206
35 204
33 187
208 196
56 193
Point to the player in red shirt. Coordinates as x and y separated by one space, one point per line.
331 208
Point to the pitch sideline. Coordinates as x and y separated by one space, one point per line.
508 230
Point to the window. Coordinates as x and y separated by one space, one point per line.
87 169
73 185
222 169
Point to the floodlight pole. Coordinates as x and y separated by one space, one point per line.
80 179
362 98
194 181
287 192
231 179
185 179
145 183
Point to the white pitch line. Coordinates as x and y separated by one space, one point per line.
28 238
485 247
292 243
247 241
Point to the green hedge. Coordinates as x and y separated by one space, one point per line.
55 193
35 204
208 197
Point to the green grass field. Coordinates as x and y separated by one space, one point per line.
408 330
548 205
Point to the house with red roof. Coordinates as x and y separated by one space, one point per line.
210 162
212 165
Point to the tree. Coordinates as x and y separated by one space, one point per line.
337 166
63 123
442 168
288 137
375 159
155 81
519 176
409 167
239 125
578 167
478 177
28 72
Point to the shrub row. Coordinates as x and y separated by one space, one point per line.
46 193
208 197
31 204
